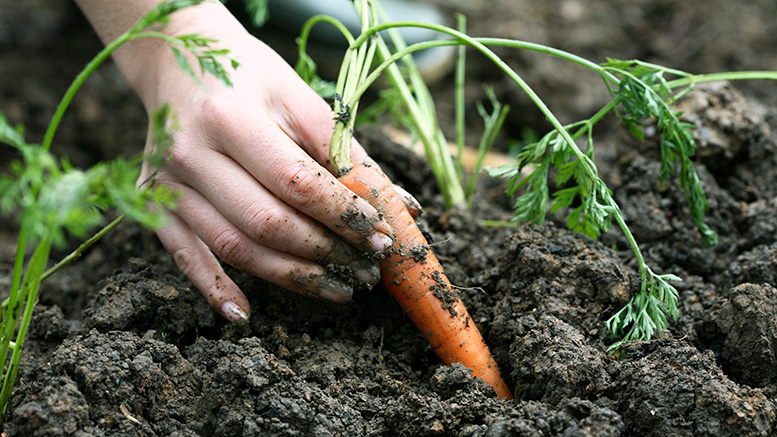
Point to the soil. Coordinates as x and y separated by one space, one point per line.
122 344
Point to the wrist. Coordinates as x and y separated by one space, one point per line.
148 63
151 67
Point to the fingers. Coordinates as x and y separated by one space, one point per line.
258 193
282 168
308 120
282 229
195 260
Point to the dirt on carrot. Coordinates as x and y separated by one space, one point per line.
421 288
442 290
418 253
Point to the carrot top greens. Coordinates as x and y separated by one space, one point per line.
54 202
640 93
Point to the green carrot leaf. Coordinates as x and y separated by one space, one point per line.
258 10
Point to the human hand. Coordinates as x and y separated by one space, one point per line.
251 165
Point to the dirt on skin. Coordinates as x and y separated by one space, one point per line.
122 344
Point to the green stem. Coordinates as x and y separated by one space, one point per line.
423 115
87 244
30 288
67 98
486 143
9 318
438 158
339 155
302 40
725 76
538 102
461 67
351 71
643 267
356 66
500 223
501 42
434 143
64 103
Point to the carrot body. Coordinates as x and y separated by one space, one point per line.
415 278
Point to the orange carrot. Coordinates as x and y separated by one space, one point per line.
415 278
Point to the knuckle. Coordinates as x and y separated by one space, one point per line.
229 245
335 250
163 177
220 112
305 120
185 259
303 185
182 156
267 223
213 116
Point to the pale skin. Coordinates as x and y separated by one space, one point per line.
250 163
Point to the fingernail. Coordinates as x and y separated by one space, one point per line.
233 312
366 271
335 291
379 242
411 203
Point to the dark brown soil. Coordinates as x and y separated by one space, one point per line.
122 344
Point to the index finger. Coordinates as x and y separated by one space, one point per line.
292 175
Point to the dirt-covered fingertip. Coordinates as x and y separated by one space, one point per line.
227 299
332 289
366 271
232 312
335 291
379 242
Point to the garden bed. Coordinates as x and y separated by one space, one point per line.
122 344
